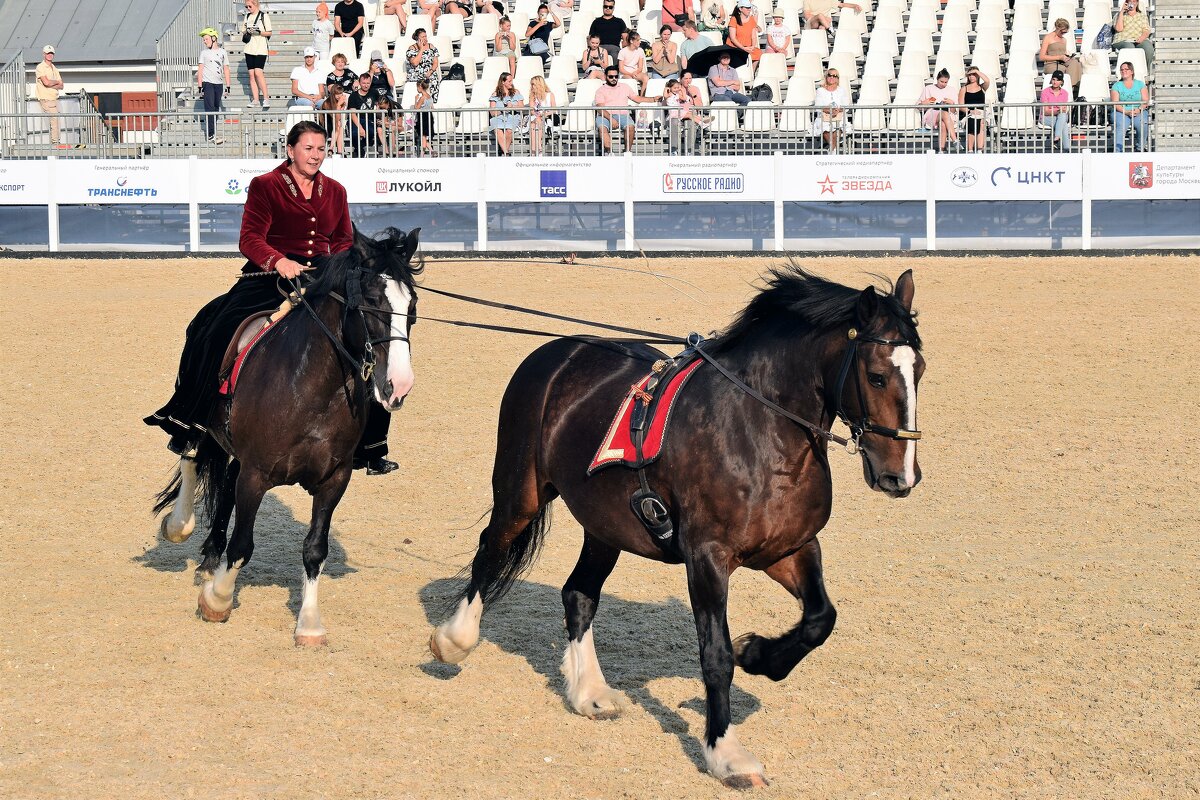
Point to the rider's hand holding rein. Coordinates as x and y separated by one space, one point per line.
288 268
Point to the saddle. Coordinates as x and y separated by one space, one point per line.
249 333
636 436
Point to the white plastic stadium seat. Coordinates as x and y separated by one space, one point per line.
760 116
344 45
451 26
1135 56
387 28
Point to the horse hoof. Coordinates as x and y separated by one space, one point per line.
310 640
176 535
209 614
752 780
445 650
739 646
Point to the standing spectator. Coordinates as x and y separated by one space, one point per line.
724 85
349 20
362 102
632 61
619 96
389 127
538 33
423 123
608 28
1054 56
258 25
973 98
676 12
693 43
400 9
943 116
1132 29
322 31
743 30
1055 115
664 55
779 35
504 120
1133 99
383 82
335 102
713 17
306 82
423 62
541 103
833 99
48 83
212 77
594 60
818 14
504 43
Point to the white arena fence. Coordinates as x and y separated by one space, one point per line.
779 202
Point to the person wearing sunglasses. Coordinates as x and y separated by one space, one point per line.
832 98
618 96
608 28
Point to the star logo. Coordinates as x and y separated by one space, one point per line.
826 185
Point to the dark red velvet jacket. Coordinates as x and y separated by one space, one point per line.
278 221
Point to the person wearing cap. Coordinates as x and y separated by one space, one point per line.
212 79
779 35
743 30
1056 114
383 81
306 81
818 14
48 83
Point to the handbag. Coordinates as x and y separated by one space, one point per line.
680 19
1104 38
246 35
537 46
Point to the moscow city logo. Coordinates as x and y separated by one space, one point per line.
1141 174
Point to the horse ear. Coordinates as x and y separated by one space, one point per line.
904 290
868 306
410 243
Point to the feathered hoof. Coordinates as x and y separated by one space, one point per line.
752 780
208 613
445 650
311 640
176 534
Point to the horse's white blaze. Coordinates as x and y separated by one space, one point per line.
218 593
587 691
905 359
455 638
399 370
727 757
308 622
182 520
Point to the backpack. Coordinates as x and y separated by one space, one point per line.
457 72
762 92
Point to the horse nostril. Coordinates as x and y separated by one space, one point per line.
388 389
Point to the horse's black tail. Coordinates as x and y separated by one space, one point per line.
494 569
212 464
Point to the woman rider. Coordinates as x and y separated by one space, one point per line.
293 217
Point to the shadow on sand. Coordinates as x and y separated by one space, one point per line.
278 541
637 643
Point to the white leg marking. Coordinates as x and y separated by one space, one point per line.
454 639
728 759
905 359
587 691
181 522
399 369
218 593
308 621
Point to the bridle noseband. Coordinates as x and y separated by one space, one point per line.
864 424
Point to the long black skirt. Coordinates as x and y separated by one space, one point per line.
186 415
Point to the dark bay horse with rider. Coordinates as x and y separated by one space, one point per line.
314 386
743 476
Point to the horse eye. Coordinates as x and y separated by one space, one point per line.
876 380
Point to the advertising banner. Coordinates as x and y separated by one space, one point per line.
854 178
109 182
570 180
737 179
407 180
1145 176
225 180
1034 176
24 183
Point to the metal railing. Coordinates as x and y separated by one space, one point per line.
722 129
13 102
176 52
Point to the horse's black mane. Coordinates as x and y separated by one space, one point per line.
383 253
798 302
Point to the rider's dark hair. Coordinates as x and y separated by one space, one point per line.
301 128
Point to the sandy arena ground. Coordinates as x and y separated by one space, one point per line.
1023 625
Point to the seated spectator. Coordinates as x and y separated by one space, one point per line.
306 82
632 61
362 103
1054 56
1133 98
1056 115
818 14
504 120
618 96
681 110
489 7
335 122
423 62
432 8
944 115
779 35
693 43
743 30
538 34
504 43
1132 29
460 7
541 104
563 9
713 17
691 90
724 85
973 98
341 76
383 81
608 28
400 9
664 55
833 99
595 59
